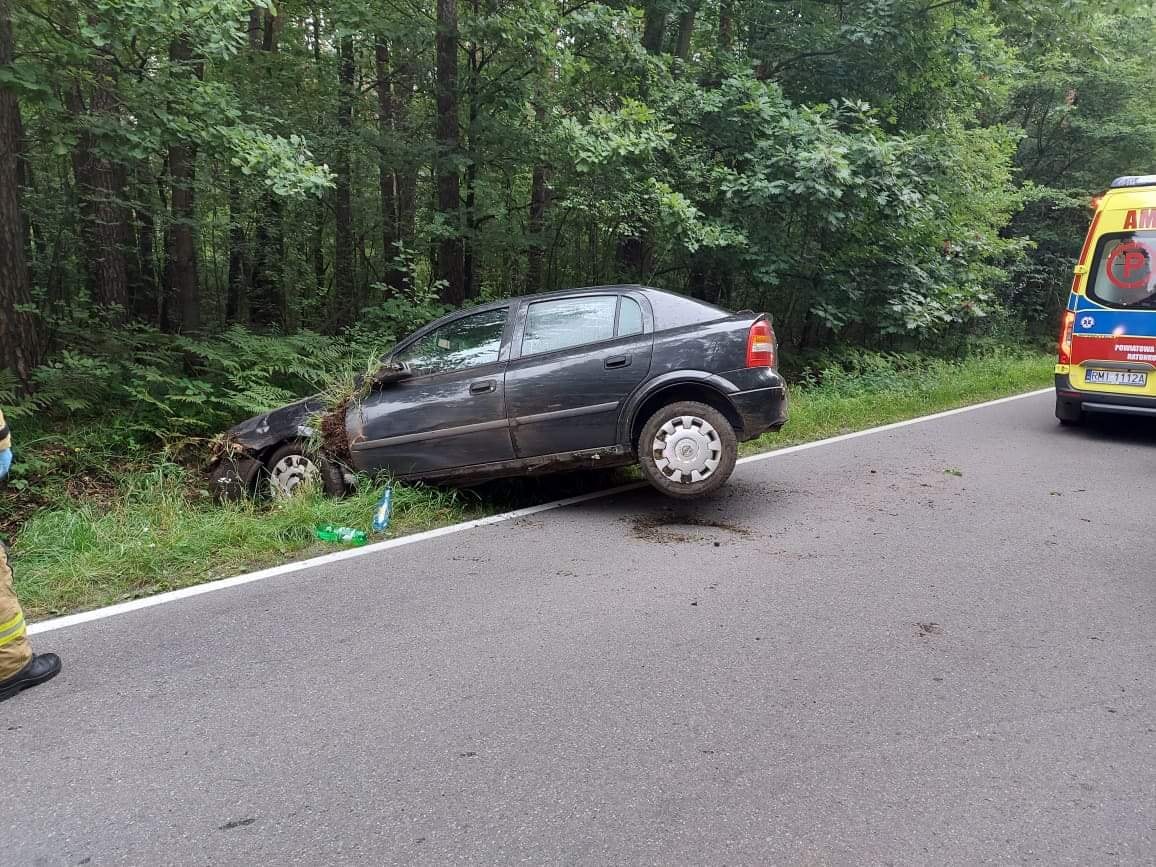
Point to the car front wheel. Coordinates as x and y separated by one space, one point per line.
293 467
688 449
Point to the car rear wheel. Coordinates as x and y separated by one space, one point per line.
293 468
688 449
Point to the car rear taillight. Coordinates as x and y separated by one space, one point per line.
761 345
1066 337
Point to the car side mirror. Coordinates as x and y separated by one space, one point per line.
391 373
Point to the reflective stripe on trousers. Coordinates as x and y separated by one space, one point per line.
14 648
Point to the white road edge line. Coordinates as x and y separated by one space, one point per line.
353 553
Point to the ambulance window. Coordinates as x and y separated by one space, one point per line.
1124 271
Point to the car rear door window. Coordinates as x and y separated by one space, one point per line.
629 317
554 325
467 342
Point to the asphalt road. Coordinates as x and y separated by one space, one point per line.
930 645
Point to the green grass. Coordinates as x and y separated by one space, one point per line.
161 531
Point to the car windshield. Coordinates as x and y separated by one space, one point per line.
1123 274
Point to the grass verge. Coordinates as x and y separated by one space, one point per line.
162 531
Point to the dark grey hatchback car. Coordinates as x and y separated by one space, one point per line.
593 377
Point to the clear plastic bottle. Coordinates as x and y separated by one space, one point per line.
382 512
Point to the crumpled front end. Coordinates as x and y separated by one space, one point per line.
238 456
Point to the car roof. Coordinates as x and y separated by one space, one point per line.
561 293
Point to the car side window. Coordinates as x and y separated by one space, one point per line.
629 317
467 342
554 325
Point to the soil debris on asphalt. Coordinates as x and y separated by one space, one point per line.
668 528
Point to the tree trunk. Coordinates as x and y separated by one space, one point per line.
20 346
146 306
472 151
654 26
236 297
450 260
536 226
685 31
182 245
266 295
256 27
407 173
726 25
390 222
103 229
344 304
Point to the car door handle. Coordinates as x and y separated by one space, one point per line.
616 361
483 387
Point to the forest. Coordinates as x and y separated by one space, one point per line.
892 174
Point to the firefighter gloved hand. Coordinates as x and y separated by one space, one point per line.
5 462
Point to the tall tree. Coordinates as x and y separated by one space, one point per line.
20 345
451 253
345 301
92 102
387 177
182 242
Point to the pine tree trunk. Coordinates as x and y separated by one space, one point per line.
654 26
266 295
390 223
20 345
182 247
685 32
450 259
406 174
100 190
236 297
726 25
344 304
472 151
536 226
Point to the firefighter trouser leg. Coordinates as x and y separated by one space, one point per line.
14 648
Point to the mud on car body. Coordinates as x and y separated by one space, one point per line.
595 377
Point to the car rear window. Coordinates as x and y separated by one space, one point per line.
675 311
629 317
1123 272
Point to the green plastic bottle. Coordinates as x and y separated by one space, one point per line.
342 535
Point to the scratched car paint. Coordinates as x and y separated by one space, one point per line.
592 377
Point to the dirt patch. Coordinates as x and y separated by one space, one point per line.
675 528
925 629
334 436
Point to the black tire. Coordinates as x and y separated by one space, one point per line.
710 444
298 458
1069 413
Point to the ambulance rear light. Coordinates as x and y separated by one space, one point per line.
1065 346
761 345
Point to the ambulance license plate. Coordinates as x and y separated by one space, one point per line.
1116 377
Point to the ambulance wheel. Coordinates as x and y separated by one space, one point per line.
1069 413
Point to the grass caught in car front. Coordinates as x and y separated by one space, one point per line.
163 531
